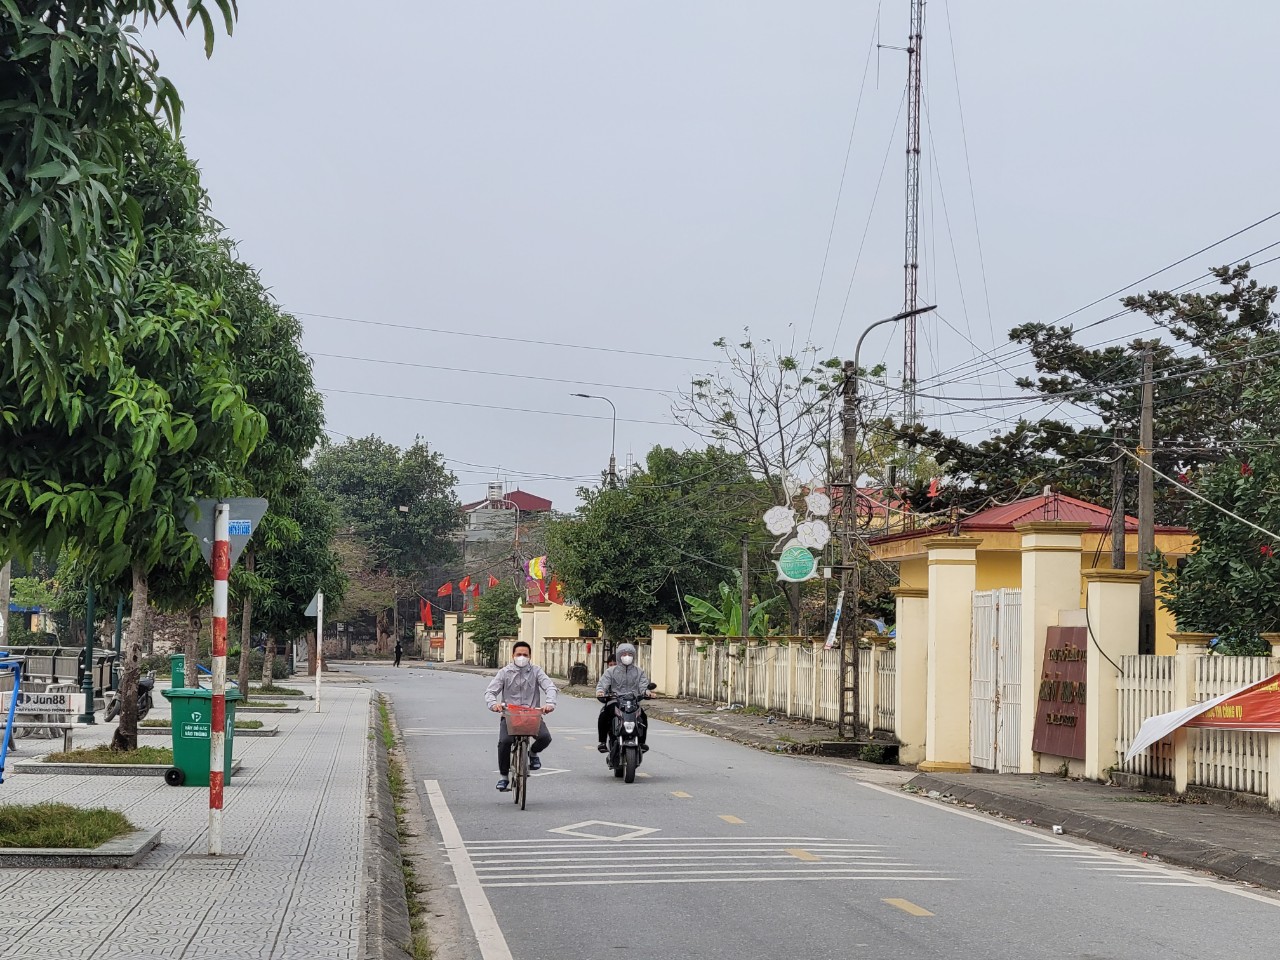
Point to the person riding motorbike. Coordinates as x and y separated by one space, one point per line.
624 679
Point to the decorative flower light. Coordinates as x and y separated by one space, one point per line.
779 520
819 504
814 534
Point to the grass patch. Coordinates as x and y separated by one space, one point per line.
275 691
240 724
46 825
269 703
104 754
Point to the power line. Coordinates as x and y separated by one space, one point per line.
483 406
844 170
492 336
490 373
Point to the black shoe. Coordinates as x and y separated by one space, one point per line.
644 748
535 762
504 784
602 747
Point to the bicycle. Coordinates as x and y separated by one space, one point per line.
523 724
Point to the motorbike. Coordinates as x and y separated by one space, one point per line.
145 685
624 754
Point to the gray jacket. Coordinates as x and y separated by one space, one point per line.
619 681
520 685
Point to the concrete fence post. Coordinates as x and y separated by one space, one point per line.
1189 648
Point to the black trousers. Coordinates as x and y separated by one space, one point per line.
540 743
397 656
605 721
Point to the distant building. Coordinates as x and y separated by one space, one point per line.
501 530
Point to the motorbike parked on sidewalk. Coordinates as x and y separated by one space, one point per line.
145 685
625 734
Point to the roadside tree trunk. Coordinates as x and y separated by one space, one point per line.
246 631
191 648
126 735
268 663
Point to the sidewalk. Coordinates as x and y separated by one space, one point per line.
1238 843
304 841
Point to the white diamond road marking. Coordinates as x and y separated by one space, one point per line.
666 860
629 830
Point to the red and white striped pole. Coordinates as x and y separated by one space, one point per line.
221 563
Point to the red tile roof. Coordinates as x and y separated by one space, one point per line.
527 502
1054 506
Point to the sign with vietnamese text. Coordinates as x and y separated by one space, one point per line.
44 703
1061 697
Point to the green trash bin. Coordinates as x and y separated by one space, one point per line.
192 716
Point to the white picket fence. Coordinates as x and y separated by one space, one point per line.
1229 759
1226 759
793 677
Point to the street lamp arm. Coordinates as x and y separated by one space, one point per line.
857 350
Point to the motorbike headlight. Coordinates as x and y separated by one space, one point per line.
629 726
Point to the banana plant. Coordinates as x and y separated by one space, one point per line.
725 620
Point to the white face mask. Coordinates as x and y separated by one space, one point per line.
626 661
522 661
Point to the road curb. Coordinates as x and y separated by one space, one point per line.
386 911
1183 852
101 769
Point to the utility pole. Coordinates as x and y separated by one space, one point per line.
1147 508
746 590
850 581
1117 507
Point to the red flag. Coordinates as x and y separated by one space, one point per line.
557 592
475 591
424 611
933 487
445 590
465 583
493 581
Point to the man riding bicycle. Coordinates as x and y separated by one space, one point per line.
520 683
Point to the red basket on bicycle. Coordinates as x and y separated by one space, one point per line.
523 721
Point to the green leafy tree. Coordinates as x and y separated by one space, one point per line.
77 85
628 555
1219 346
495 618
292 573
400 505
1230 584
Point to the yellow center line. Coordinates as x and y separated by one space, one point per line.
906 906
730 818
803 855
681 794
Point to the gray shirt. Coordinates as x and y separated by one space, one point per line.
520 685
619 681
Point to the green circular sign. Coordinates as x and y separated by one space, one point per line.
796 563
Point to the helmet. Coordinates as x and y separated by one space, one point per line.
626 648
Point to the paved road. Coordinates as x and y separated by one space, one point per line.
721 851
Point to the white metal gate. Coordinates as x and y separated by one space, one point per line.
995 692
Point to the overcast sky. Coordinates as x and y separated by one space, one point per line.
651 176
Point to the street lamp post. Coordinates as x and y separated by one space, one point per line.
86 683
613 442
850 584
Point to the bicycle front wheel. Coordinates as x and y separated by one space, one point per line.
524 772
517 751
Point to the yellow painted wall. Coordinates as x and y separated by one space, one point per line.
999 570
1000 566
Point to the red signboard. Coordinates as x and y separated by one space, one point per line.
1255 708
437 643
1060 700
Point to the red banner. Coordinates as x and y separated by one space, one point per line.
465 583
1256 708
445 590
